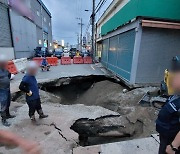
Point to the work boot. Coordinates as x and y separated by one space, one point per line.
8 115
42 115
5 123
33 119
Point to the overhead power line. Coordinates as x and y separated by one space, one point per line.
100 5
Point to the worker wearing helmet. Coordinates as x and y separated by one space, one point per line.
5 97
29 85
168 121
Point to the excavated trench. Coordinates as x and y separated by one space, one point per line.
131 121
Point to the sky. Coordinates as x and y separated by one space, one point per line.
64 17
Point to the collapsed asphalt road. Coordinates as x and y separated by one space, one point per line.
106 114
109 128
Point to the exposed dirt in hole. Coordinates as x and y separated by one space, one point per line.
71 92
82 90
98 93
87 92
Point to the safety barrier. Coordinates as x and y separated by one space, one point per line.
78 60
20 64
87 60
38 60
65 60
53 61
11 67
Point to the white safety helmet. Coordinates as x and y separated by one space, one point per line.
32 65
3 59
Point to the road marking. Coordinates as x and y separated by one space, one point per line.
93 67
103 71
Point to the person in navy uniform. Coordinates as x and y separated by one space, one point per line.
168 121
5 96
29 85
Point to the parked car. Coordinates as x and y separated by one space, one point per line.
58 52
41 52
66 52
65 49
50 53
73 52
85 53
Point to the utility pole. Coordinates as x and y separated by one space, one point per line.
81 33
81 25
78 41
93 27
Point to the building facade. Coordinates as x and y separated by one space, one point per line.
30 26
6 43
138 38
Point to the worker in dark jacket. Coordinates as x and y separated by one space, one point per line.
29 85
168 121
5 97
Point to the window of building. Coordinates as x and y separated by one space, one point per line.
44 19
40 42
38 13
45 43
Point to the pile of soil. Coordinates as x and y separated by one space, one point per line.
99 93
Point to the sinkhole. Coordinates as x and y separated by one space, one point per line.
87 90
108 93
